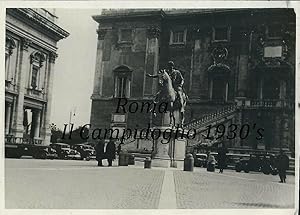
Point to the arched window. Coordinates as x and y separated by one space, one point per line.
36 62
122 78
9 46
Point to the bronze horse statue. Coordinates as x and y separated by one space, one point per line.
169 95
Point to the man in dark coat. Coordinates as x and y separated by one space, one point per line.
100 152
282 165
222 157
110 152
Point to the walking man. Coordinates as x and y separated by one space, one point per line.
282 165
110 152
100 152
222 157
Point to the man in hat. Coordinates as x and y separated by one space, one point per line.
177 81
282 165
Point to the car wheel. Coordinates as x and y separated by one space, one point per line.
87 158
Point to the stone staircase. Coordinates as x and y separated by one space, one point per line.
216 117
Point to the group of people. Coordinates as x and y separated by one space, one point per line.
281 163
105 149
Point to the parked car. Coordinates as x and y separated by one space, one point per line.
64 151
200 160
257 163
86 151
44 152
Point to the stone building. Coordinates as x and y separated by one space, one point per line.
30 52
238 65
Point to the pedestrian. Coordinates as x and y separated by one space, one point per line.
100 152
110 152
222 150
282 165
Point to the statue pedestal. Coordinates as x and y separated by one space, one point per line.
161 149
169 148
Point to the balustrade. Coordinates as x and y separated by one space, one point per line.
9 139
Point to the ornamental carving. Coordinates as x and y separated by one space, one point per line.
219 54
37 58
25 44
153 32
52 57
9 45
101 33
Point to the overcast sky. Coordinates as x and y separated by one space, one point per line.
74 67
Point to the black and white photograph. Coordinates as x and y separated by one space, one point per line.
150 107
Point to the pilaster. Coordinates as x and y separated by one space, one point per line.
23 68
98 79
49 87
151 60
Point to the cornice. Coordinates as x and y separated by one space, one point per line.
39 20
22 34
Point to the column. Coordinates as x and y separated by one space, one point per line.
282 93
23 69
211 89
48 87
98 79
260 90
7 117
243 63
226 92
151 60
37 119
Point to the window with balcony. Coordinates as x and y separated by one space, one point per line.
221 33
178 37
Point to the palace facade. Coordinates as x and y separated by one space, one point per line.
30 53
238 66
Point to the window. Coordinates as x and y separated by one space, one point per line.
34 77
125 35
122 77
121 86
271 88
178 37
219 89
220 34
36 63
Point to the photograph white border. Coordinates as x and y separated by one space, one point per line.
147 4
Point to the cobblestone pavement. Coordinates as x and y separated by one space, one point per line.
203 189
63 184
79 184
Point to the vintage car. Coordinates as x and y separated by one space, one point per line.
64 151
86 151
200 160
44 152
258 163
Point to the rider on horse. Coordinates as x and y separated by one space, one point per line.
177 82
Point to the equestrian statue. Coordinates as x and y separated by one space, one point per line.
171 91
